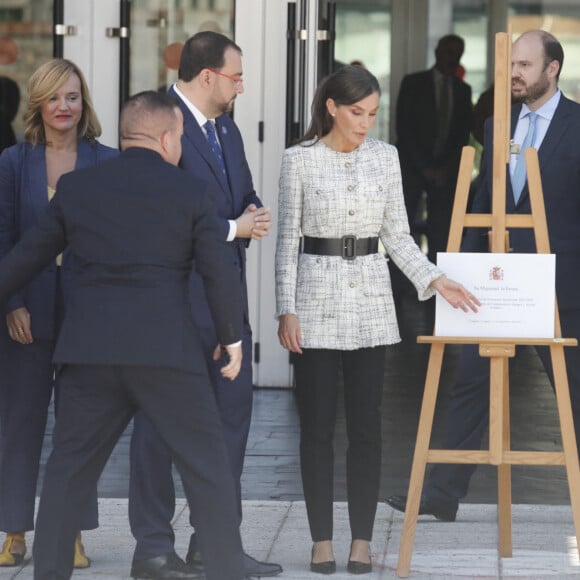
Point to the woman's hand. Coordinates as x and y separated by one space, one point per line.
289 333
455 294
18 322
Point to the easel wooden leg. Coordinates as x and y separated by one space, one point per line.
568 434
499 436
420 459
504 477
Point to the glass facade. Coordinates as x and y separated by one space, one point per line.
363 35
25 43
158 30
562 19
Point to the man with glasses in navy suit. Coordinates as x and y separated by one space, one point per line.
210 79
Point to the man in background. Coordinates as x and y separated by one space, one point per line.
433 124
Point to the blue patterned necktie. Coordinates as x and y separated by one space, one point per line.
213 143
519 176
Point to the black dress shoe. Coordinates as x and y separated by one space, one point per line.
445 511
253 568
355 567
256 569
168 567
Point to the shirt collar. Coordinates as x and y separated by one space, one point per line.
199 116
547 110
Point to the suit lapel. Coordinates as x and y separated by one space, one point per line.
86 154
36 177
193 133
556 131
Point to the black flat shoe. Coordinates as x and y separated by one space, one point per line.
446 511
323 567
355 567
328 567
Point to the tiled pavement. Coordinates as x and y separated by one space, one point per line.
275 525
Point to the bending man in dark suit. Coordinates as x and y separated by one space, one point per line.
210 79
536 64
128 341
433 124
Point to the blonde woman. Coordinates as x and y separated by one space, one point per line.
61 129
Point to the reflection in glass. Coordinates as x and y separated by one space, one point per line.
562 19
363 34
160 27
25 43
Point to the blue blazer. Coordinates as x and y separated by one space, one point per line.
23 200
233 195
559 159
133 225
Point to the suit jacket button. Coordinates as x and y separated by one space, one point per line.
351 212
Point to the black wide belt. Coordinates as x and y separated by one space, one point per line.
347 247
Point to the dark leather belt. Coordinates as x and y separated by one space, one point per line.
347 247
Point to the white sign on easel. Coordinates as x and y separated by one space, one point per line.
516 291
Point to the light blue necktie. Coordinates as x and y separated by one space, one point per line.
213 143
519 176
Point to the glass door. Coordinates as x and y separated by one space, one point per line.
158 30
25 43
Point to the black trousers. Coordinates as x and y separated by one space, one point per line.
440 199
468 409
96 404
151 489
316 373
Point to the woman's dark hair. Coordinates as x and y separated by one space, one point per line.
348 85
204 50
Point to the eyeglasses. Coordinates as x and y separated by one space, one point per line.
238 81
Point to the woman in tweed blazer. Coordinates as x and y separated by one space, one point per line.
339 193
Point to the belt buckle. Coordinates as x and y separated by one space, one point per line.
348 247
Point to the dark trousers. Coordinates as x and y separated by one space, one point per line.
26 387
440 199
468 409
97 402
151 489
316 372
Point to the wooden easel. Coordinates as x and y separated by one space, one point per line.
498 350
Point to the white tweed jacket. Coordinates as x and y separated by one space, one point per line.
344 304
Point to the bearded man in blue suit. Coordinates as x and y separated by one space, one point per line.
210 79
550 122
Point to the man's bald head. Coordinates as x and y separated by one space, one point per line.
152 120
